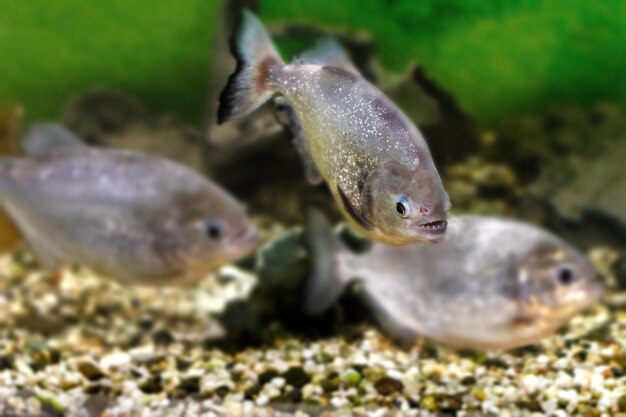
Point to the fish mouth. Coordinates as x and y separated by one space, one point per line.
437 227
245 236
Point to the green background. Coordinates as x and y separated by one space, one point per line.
497 57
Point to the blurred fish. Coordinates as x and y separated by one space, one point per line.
375 161
133 217
491 284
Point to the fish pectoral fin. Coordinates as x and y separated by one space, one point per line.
286 116
357 215
327 52
46 138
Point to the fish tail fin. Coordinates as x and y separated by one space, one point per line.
327 280
251 84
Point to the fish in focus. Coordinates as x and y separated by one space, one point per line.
374 160
127 215
490 284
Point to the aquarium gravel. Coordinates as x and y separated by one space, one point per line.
76 345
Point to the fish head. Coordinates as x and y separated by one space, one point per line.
215 230
519 294
542 290
555 282
408 205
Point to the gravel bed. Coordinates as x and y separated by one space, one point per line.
76 345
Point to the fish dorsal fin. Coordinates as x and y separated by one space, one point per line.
329 53
45 138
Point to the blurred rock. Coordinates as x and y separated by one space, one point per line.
619 269
9 122
585 196
110 118
281 268
531 142
605 261
482 187
451 133
275 305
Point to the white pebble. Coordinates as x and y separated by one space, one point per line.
116 360
278 382
568 395
549 406
338 402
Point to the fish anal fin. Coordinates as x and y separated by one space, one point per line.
327 280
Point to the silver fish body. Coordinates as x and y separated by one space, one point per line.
133 217
373 158
490 284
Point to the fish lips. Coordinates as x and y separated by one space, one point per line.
246 238
434 230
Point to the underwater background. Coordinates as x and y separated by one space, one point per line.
523 104
498 57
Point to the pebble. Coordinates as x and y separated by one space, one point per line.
115 361
388 386
90 370
297 377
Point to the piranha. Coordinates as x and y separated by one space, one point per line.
126 215
373 158
491 284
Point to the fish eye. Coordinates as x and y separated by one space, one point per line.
565 274
402 207
213 229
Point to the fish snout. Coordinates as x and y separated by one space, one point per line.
242 234
434 207
245 235
432 220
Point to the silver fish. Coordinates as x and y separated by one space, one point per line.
374 160
130 216
490 284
